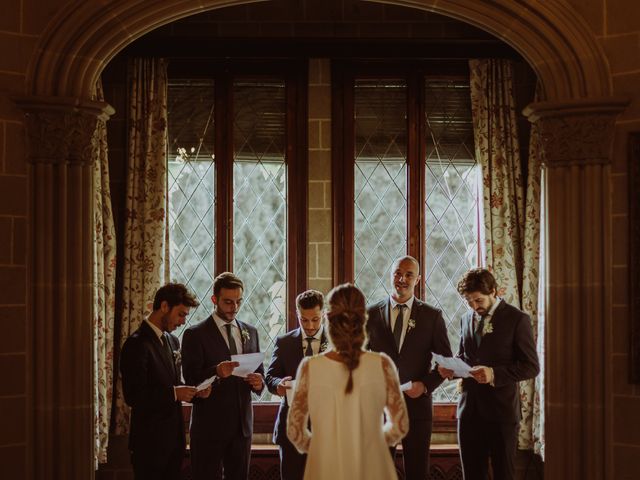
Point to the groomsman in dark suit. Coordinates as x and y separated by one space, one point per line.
409 331
497 340
306 340
149 364
222 424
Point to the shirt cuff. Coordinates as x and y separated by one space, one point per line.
493 377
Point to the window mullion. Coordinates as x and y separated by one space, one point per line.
224 174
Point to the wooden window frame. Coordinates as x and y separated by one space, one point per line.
294 73
344 74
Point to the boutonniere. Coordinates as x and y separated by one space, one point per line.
177 358
487 327
411 324
244 333
324 345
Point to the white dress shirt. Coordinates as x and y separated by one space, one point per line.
315 343
235 331
405 321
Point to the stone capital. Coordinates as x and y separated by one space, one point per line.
576 132
61 130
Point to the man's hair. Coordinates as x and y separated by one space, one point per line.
478 280
226 280
174 294
309 299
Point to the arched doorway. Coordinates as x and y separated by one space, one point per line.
573 71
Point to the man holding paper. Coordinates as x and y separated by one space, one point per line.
222 425
409 331
150 368
307 340
497 342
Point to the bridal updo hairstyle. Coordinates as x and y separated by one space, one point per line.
346 318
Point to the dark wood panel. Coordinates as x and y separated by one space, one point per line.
634 254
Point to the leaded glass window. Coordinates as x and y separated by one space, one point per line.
227 202
380 177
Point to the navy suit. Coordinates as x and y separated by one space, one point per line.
149 373
488 415
429 335
222 424
287 355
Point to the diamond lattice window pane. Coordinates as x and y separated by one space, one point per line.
451 206
260 199
191 190
380 177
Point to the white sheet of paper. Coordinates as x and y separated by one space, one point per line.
249 362
405 386
205 383
289 391
460 369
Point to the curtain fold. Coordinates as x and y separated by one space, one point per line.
533 285
511 209
143 251
104 268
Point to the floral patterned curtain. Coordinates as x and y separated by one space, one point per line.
511 225
104 271
533 286
145 203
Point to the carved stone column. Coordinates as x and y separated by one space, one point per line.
61 152
576 143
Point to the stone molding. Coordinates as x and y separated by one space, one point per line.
578 132
61 130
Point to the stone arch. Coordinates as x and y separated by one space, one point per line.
557 43
577 124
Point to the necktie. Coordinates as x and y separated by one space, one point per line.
478 332
397 328
309 351
233 350
167 351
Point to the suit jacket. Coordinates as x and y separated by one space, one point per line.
203 348
287 355
414 359
149 373
509 349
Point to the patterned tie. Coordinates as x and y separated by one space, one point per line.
232 343
477 334
397 328
309 351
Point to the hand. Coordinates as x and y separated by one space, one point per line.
482 374
184 393
225 369
255 380
204 393
445 372
417 389
283 386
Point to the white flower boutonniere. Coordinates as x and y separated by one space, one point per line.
244 333
411 324
177 358
324 345
487 327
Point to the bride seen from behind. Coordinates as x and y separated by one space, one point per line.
345 393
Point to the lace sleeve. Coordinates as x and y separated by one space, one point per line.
397 424
297 420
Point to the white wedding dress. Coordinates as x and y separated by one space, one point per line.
349 437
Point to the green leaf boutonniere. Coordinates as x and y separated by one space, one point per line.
177 358
487 327
245 335
411 324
